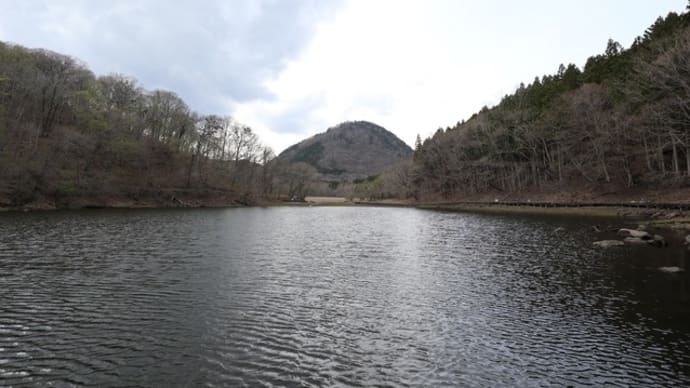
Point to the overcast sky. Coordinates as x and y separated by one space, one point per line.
292 68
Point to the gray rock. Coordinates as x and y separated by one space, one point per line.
641 234
671 269
608 243
634 241
658 241
559 229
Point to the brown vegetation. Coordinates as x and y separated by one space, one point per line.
71 139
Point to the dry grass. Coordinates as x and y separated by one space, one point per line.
326 200
498 209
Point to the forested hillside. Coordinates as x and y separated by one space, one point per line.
69 138
620 124
351 149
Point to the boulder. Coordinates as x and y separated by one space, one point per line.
658 241
641 234
608 243
635 241
671 269
559 229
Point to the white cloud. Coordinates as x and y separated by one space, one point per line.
414 66
208 51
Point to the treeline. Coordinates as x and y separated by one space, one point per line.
68 135
621 122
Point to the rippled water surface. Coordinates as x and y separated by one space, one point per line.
328 296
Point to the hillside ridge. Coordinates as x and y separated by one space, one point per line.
350 150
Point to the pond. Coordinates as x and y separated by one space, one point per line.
322 296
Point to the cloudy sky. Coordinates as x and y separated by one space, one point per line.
292 68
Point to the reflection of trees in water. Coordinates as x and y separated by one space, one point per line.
649 307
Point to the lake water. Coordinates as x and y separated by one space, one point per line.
323 296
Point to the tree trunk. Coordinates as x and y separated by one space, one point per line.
602 161
662 163
559 167
646 154
628 172
606 170
676 164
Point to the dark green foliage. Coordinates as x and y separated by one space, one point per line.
310 154
330 171
370 178
622 121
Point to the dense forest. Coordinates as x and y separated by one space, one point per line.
69 138
620 124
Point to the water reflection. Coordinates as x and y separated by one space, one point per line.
333 296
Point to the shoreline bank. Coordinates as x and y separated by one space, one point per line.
163 201
665 216
674 216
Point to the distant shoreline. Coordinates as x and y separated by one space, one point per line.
661 215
